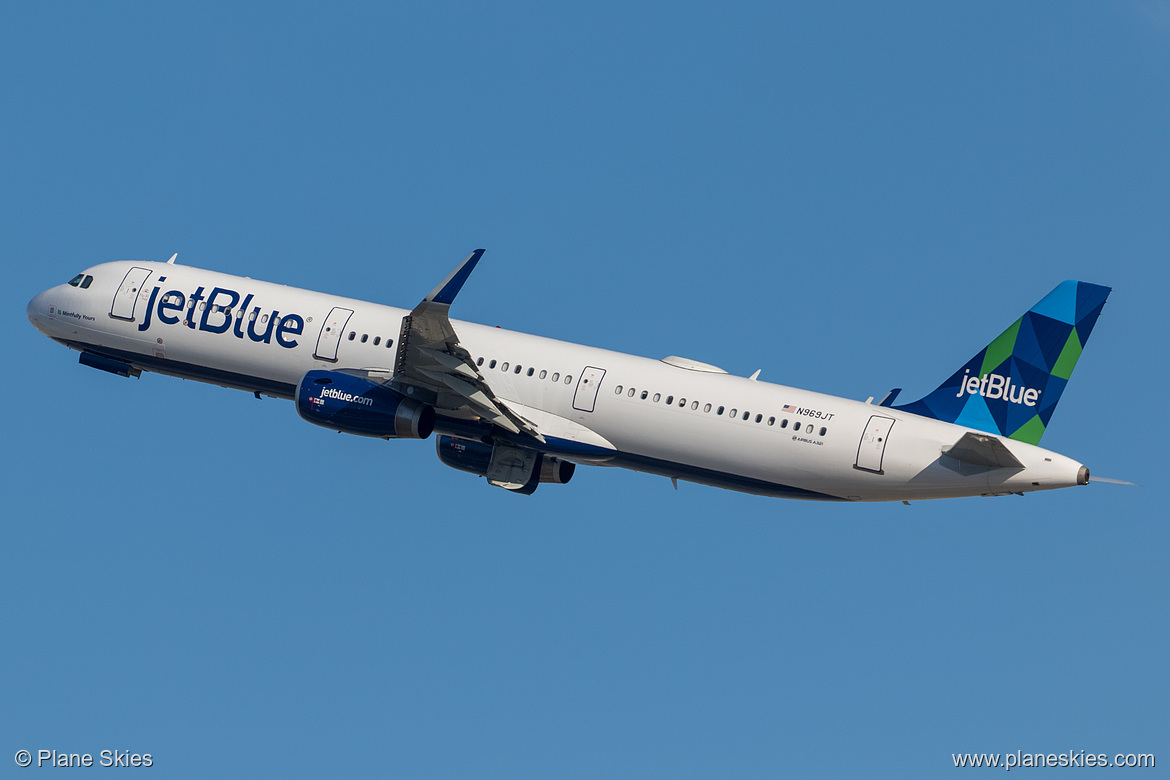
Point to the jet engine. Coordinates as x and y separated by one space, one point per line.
514 468
352 404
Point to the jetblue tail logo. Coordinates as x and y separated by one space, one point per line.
1012 386
992 386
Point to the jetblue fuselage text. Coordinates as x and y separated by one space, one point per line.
217 315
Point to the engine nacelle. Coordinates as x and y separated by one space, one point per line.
464 454
556 470
354 405
516 469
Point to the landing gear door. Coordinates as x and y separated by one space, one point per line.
127 295
872 448
331 331
587 387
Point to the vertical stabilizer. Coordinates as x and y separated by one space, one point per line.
1012 385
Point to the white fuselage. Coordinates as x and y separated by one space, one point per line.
694 423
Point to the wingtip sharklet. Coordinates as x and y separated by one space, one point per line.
450 287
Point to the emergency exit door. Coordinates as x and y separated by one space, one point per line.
331 331
127 295
872 448
587 387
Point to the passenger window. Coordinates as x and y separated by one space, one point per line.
796 426
504 367
759 417
732 414
264 319
706 408
203 306
657 396
86 282
669 400
644 394
479 362
746 415
543 373
682 402
365 337
568 379
76 280
784 423
377 340
631 393
492 364
252 316
556 377
720 410
618 390
694 405
771 421
390 342
519 368
352 333
531 371
823 430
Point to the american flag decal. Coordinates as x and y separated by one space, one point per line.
788 408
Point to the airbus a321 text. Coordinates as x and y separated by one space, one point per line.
520 410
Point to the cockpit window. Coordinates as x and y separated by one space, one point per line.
76 280
86 282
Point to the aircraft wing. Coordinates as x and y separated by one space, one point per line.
431 364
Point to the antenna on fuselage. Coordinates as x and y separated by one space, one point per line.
172 260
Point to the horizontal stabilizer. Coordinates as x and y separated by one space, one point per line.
979 450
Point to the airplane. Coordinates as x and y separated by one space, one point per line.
520 410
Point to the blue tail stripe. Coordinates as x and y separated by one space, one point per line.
1060 304
976 415
1090 300
1028 344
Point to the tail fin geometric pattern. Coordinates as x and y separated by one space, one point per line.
1012 386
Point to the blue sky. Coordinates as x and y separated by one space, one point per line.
849 197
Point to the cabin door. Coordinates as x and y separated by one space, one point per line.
587 387
872 448
331 331
127 295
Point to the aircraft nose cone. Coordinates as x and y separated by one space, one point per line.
38 310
